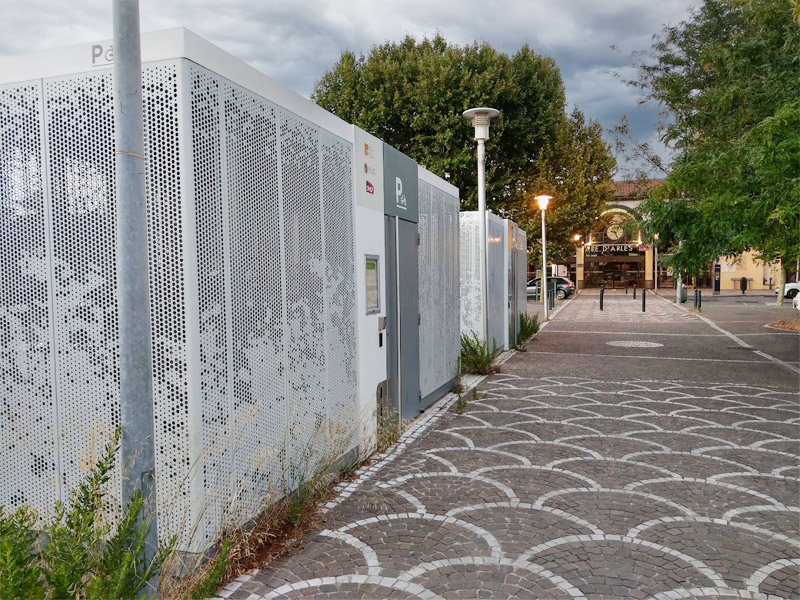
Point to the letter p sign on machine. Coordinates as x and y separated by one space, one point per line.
400 198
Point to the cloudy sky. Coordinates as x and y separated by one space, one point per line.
295 41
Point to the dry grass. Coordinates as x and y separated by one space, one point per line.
277 532
793 325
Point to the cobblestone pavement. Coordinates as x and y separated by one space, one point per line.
570 487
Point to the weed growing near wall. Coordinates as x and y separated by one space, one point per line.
78 554
475 354
528 327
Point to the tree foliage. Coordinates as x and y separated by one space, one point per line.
576 169
411 94
729 79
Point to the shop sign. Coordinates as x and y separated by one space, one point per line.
624 249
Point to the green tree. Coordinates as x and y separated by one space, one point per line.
411 94
729 81
576 169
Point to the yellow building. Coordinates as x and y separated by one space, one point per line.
615 256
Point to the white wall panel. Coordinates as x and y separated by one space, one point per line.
80 164
439 340
28 409
470 270
251 250
497 281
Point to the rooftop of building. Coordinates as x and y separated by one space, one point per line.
634 190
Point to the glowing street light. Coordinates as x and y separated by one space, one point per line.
543 200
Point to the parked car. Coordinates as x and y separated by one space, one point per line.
790 291
563 286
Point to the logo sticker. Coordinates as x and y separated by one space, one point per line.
400 197
370 188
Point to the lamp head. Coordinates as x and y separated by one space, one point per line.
480 118
543 200
576 237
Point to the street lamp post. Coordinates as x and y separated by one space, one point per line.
543 200
480 118
655 248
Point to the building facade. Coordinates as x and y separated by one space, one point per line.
614 255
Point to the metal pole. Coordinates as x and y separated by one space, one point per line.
644 298
602 290
656 277
544 267
678 290
482 233
135 354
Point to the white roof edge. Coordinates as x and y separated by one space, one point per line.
437 181
169 44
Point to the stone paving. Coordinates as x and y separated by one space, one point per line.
569 487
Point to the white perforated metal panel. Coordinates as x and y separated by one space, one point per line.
340 433
211 270
470 283
80 143
497 281
167 294
28 417
439 341
251 250
259 392
305 272
521 271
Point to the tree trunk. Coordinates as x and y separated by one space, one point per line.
781 284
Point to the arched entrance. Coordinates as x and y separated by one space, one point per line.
614 254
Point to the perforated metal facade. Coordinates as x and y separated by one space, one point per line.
470 270
439 339
498 256
497 281
250 216
521 271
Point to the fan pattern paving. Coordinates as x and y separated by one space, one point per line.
569 488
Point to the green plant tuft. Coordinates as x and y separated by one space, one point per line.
528 326
475 354
389 429
458 385
78 554
460 405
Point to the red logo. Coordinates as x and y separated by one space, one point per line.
370 188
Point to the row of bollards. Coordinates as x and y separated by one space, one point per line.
644 297
698 299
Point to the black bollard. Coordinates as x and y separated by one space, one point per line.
699 299
602 291
644 294
634 291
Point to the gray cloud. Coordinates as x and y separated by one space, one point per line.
295 41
